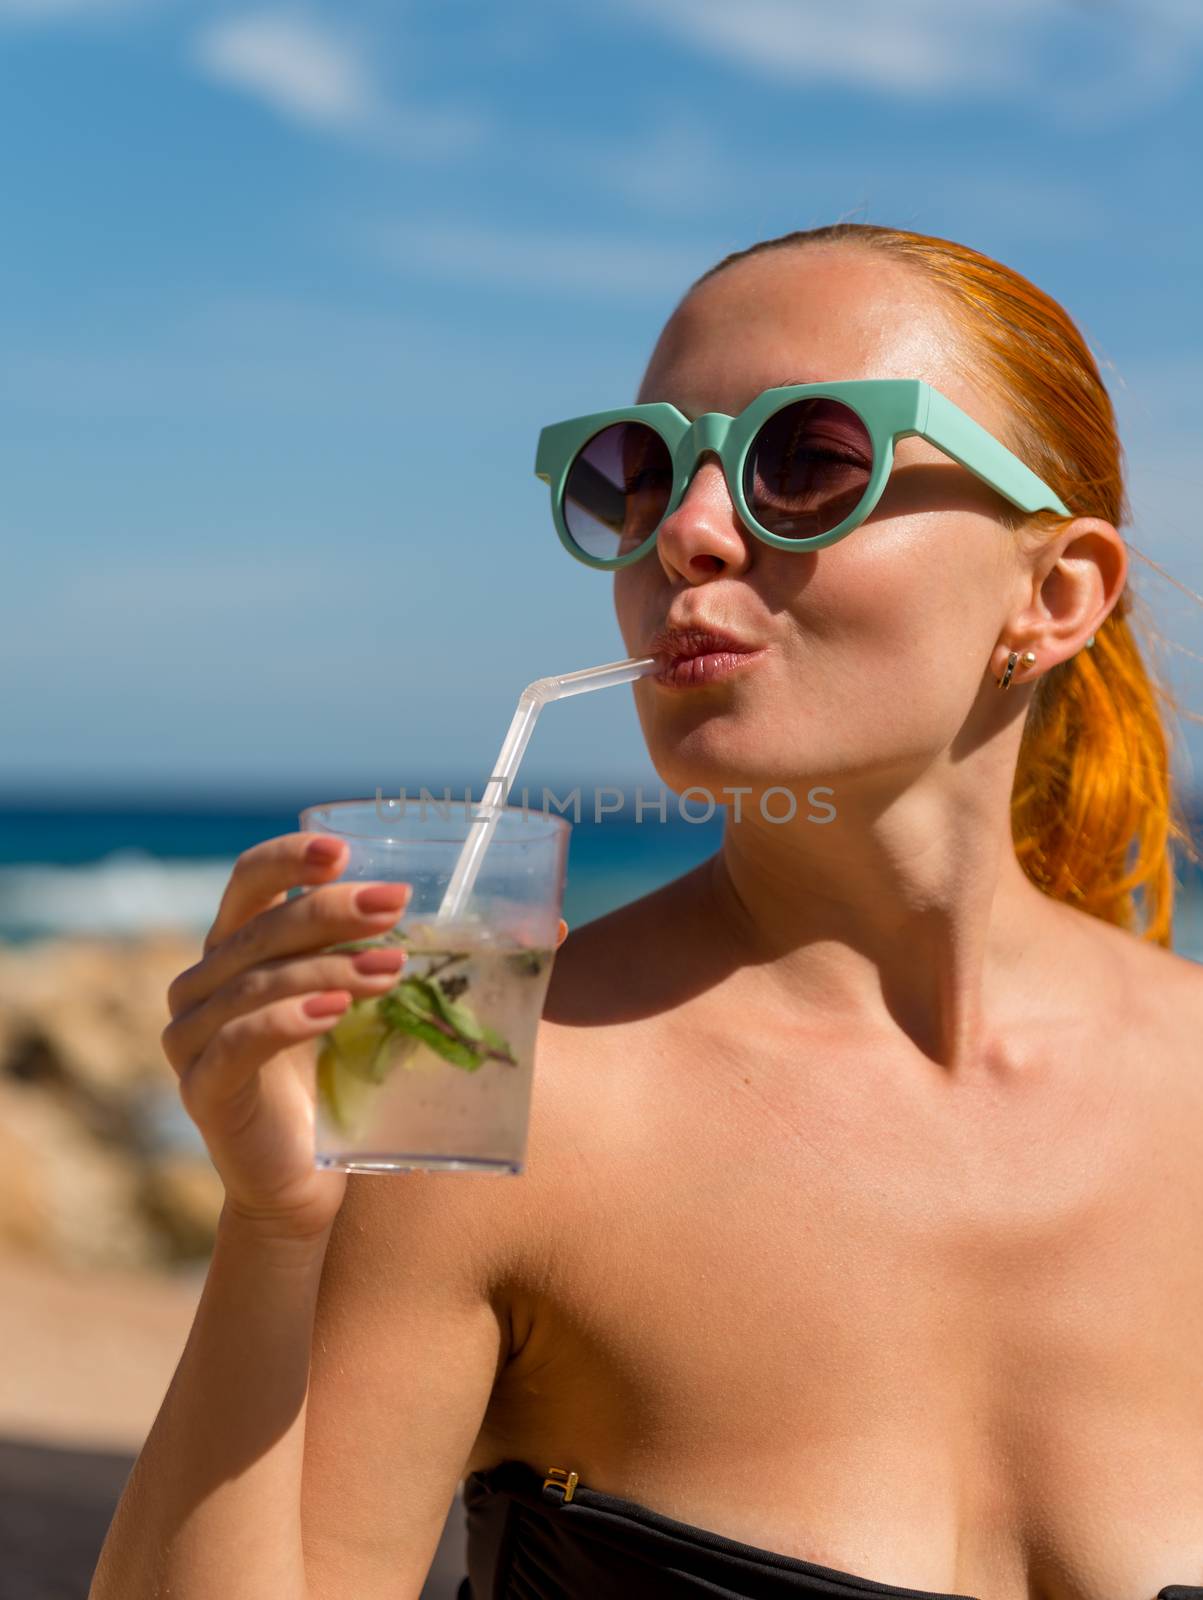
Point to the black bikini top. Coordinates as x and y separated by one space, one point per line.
551 1538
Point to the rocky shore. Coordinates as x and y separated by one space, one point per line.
99 1166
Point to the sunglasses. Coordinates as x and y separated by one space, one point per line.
805 464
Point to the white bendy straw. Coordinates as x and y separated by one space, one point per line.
530 702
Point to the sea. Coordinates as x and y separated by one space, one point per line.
127 868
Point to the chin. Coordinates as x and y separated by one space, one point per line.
691 741
707 762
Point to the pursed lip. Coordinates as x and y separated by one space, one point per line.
699 655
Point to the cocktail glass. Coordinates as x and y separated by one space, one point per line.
436 1073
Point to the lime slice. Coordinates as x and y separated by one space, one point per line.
348 1065
344 1096
357 1039
354 1059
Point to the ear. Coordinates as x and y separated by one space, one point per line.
561 933
1077 577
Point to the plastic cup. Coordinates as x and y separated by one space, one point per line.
436 1073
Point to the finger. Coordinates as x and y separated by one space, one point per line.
362 973
561 933
327 915
263 874
214 1089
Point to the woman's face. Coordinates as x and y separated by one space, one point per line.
873 649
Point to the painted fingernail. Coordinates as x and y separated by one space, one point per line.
381 897
326 1005
370 962
320 851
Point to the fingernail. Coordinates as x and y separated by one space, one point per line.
374 961
320 851
326 1005
381 897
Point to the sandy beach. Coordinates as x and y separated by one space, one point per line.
88 1355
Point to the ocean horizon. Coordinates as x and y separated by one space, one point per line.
128 867
125 868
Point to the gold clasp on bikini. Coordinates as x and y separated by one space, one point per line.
561 1478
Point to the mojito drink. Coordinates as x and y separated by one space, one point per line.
437 1072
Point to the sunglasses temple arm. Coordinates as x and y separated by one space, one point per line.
979 452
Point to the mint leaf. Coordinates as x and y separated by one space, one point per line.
421 1008
526 963
456 1012
498 1046
411 994
441 1039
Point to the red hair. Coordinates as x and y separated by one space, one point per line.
1094 812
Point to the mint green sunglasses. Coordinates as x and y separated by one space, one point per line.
805 463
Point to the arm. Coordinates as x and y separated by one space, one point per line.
311 1468
409 1340
213 1508
212 1504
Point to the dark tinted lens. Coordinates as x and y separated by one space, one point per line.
617 489
808 468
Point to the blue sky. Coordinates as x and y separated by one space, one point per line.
257 263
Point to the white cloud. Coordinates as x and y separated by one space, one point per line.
923 46
322 76
527 258
947 49
302 69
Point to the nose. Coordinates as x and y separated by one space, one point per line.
704 537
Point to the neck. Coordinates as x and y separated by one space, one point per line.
908 913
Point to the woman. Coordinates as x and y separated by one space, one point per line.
864 1191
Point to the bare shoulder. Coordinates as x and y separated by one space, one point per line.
1155 1004
1172 984
620 986
1175 990
621 965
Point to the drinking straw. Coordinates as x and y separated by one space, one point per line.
530 702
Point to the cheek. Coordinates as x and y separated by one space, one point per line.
633 596
902 630
929 585
888 644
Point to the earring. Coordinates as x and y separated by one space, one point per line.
1029 660
1090 642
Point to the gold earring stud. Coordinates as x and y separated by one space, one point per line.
1029 660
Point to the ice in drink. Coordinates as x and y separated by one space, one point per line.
436 1073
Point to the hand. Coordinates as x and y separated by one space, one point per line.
244 1019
